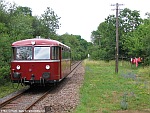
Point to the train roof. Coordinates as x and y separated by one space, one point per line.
39 41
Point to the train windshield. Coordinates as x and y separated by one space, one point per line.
25 53
41 53
22 53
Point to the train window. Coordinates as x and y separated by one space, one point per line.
22 53
55 53
66 54
41 53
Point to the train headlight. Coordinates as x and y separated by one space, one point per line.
46 75
18 67
47 67
16 75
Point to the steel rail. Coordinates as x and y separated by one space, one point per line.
75 66
12 98
37 100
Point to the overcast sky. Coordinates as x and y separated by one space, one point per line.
81 17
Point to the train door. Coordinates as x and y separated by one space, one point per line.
56 53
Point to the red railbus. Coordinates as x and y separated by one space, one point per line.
39 61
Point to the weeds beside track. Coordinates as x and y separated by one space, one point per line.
103 91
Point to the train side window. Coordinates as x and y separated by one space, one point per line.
55 53
65 53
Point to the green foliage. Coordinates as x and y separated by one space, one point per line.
7 89
5 56
99 54
134 37
50 22
104 37
22 11
21 26
3 14
4 74
129 20
79 47
137 43
5 50
3 29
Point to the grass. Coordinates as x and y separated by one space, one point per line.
103 91
9 88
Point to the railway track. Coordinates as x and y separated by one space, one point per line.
24 101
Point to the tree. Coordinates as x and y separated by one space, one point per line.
21 27
104 37
38 27
3 12
23 10
19 10
50 22
128 22
137 43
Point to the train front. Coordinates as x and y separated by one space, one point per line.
32 64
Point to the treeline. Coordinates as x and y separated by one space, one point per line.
134 37
79 46
18 23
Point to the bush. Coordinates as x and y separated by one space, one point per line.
4 74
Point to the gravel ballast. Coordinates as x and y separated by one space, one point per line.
65 97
